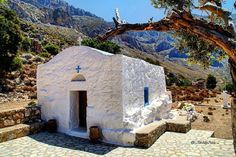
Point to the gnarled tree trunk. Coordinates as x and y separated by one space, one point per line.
232 66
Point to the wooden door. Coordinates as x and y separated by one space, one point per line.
82 108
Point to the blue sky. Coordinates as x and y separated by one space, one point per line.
133 11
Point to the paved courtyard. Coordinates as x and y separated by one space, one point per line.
194 143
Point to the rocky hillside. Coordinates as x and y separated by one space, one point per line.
59 13
21 84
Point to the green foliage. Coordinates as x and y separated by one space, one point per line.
33 53
45 55
151 61
180 4
3 85
10 38
26 44
52 48
184 82
2 1
179 80
16 64
229 87
171 79
211 82
90 42
198 50
107 46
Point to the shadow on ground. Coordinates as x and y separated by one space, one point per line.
75 143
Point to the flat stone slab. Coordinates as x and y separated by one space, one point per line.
201 133
14 132
182 126
147 135
20 130
170 144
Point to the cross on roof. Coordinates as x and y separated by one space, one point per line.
78 69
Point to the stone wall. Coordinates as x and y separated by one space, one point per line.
148 135
18 116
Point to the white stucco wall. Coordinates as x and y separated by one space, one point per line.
138 74
115 96
103 98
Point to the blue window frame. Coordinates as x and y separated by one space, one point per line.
146 96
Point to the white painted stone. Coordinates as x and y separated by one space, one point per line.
115 92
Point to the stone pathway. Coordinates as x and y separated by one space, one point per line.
193 144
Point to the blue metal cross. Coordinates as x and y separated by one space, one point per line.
78 69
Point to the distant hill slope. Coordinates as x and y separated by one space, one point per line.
58 12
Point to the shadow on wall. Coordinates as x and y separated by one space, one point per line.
75 143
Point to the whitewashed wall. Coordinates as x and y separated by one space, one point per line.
138 74
102 86
115 96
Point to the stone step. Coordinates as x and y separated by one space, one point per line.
17 116
19 130
178 125
147 135
201 133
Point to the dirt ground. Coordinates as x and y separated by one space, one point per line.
220 120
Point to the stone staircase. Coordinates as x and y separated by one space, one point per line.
19 122
147 135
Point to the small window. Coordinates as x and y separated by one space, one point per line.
146 96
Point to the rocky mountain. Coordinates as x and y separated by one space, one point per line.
55 4
60 13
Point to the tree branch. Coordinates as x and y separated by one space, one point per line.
182 20
162 26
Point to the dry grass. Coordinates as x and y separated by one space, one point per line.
191 94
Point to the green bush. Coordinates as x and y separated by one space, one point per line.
107 46
211 82
184 82
33 53
90 42
177 79
52 48
16 64
171 79
10 39
3 86
26 44
45 54
229 87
